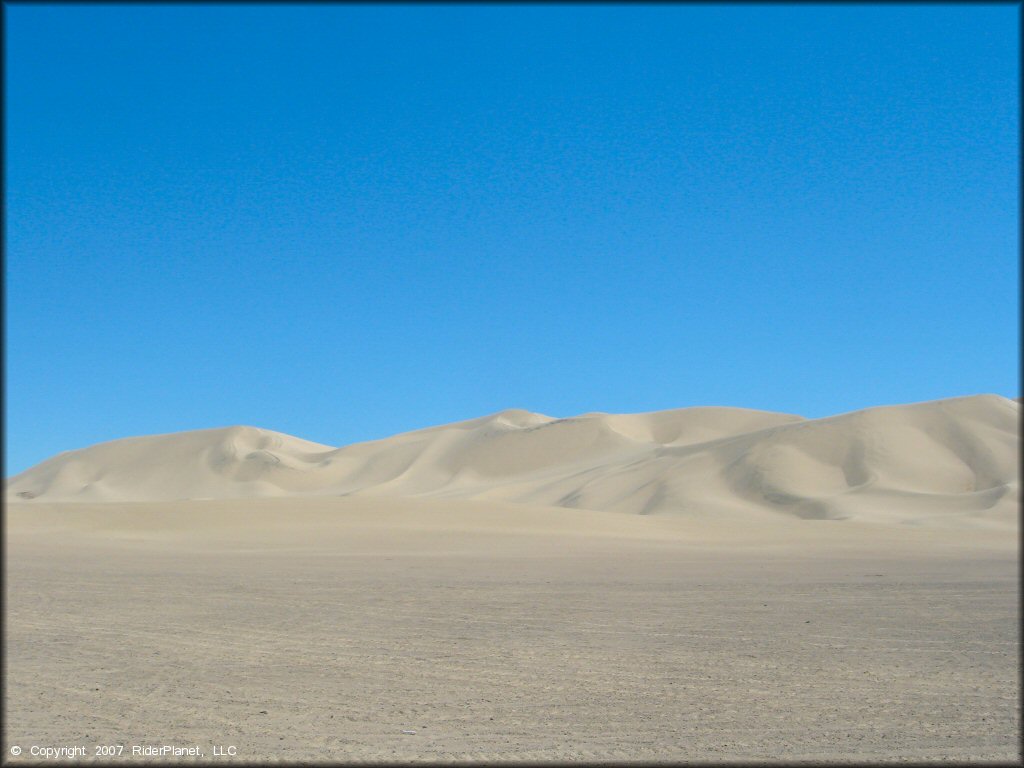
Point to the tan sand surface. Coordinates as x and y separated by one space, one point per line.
924 460
703 584
321 629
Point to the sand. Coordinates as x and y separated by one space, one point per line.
873 619
938 458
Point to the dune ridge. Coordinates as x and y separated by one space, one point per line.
914 462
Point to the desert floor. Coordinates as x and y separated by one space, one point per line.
323 629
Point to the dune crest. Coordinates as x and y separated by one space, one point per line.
946 458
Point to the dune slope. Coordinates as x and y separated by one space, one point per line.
935 460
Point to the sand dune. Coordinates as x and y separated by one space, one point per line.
947 459
606 588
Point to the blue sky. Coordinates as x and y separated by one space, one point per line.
343 222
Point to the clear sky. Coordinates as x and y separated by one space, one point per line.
343 222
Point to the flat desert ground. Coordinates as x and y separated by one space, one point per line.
872 624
